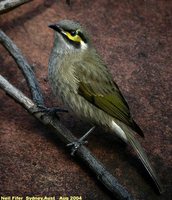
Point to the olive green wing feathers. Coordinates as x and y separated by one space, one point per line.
103 93
97 87
109 102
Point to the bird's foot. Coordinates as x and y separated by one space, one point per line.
50 111
76 145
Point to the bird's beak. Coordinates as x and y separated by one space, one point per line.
56 27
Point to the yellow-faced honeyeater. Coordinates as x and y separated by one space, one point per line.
79 76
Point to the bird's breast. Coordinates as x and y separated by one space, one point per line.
62 75
63 79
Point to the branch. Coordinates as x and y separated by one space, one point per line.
8 5
24 67
66 136
110 182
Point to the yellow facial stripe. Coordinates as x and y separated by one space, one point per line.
75 38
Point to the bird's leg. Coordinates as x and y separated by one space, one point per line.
50 111
75 145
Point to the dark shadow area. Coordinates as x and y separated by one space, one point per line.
19 21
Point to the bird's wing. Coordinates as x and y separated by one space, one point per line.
97 87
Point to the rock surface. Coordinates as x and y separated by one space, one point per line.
135 40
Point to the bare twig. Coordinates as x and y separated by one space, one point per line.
110 182
8 5
24 66
66 136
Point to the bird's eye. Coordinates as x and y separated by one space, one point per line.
73 33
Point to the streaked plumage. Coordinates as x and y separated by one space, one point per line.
79 76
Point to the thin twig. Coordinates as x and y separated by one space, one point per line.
66 136
8 5
24 67
110 182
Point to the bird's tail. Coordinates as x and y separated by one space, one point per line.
144 159
130 138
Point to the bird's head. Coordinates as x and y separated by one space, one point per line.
71 35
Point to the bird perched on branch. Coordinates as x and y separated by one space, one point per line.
79 76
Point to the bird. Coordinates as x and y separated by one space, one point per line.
79 76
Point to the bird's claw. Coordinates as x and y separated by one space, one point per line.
75 145
49 111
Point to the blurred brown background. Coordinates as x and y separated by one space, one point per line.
135 39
